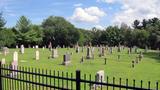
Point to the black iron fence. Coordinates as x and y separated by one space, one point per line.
22 78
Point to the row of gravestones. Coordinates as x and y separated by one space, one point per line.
137 60
13 65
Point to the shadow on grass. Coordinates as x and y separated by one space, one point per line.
153 55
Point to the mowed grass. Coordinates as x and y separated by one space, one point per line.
147 70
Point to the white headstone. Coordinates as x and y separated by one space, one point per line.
100 76
3 61
14 66
16 46
37 55
22 49
15 56
36 46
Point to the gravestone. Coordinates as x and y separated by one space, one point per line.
140 56
110 50
82 60
29 46
89 54
43 47
37 55
13 66
132 64
77 49
54 53
100 76
146 49
66 59
5 50
17 46
36 47
130 49
118 57
119 49
136 61
102 51
136 50
3 61
63 46
50 46
22 49
15 56
105 61
129 52
82 49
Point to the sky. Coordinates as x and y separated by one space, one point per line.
82 13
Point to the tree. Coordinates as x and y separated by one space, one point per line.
2 21
7 38
26 33
136 24
59 31
112 36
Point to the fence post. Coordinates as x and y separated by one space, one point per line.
78 80
0 75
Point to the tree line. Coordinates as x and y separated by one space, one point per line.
58 31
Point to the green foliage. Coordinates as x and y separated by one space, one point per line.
2 21
7 38
59 31
112 36
26 33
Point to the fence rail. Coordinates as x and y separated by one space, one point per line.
22 78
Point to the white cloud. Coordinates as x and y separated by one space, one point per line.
99 27
137 9
89 15
107 1
78 5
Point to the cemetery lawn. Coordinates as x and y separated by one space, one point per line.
147 70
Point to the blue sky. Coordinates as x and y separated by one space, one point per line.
81 13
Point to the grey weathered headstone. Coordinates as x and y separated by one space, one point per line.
54 53
119 49
50 46
105 61
146 49
129 52
82 49
5 50
140 56
118 57
82 60
102 51
110 50
132 64
77 49
136 50
89 54
66 59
